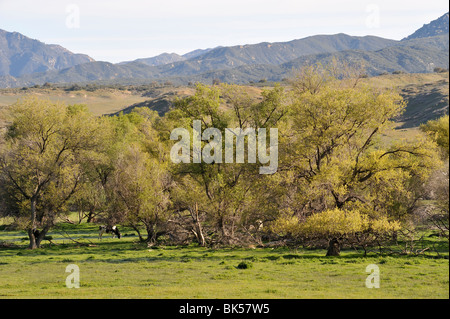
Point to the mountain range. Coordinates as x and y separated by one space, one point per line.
27 62
21 55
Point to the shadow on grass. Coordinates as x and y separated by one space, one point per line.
119 251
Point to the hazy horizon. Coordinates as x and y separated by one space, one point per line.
117 31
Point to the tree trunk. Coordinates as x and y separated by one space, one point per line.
334 247
200 236
90 215
41 236
36 237
31 235
151 234
32 229
198 231
141 239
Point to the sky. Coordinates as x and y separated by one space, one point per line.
117 31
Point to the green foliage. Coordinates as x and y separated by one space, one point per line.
334 223
438 130
338 176
335 150
229 195
46 144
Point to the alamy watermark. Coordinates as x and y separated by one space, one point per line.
213 151
73 16
373 280
73 279
373 17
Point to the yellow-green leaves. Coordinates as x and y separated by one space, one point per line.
46 145
438 130
333 223
333 143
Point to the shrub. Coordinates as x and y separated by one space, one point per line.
245 265
438 131
337 226
440 70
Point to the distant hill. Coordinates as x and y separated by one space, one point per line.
203 61
413 56
83 73
436 27
166 58
196 53
21 55
271 53
263 61
161 59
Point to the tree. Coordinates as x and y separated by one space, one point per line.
137 186
438 131
334 150
224 188
337 226
40 163
438 185
140 185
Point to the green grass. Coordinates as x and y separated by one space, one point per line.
124 268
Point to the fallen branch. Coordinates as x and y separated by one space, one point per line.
79 243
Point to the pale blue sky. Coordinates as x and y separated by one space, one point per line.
114 31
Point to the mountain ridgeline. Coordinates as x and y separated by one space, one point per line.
423 51
435 27
21 55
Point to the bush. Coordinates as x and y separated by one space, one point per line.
74 87
245 265
440 70
337 226
438 131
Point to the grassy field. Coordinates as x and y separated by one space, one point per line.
124 268
102 101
